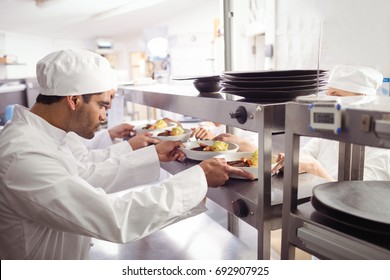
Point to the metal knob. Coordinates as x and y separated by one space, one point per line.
240 114
240 208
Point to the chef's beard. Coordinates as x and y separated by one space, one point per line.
81 124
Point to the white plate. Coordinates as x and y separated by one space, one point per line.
183 138
139 129
253 170
202 155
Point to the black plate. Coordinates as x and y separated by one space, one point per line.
273 83
290 74
269 95
227 85
277 73
360 204
293 78
200 77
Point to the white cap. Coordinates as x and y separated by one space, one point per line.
357 79
73 72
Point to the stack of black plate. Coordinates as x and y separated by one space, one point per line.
274 86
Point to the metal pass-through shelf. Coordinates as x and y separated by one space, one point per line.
263 202
317 232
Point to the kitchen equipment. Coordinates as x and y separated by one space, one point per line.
262 198
194 77
278 86
361 204
348 219
204 84
325 115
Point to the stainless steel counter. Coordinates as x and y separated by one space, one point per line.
261 198
248 191
197 238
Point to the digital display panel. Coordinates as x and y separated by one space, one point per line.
324 118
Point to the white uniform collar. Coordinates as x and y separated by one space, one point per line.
22 113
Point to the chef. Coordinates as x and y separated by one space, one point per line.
47 209
320 156
106 137
92 150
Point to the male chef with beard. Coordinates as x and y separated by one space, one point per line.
47 209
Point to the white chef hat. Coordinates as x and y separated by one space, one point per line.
357 79
73 72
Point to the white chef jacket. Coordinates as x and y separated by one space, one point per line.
376 160
101 140
49 211
95 151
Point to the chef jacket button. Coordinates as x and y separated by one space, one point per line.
91 244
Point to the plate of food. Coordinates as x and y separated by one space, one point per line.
159 125
176 133
246 161
205 149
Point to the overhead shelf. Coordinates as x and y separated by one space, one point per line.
5 64
12 88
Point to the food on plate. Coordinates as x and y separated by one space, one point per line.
244 162
238 163
165 133
160 124
254 160
176 131
218 146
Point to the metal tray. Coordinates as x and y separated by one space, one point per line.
361 204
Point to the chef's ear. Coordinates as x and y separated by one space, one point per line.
73 101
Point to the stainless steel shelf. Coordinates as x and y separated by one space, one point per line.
310 230
186 100
248 191
263 197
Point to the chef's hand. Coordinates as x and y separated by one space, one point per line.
121 131
279 165
217 171
244 144
142 140
308 164
168 120
201 133
169 151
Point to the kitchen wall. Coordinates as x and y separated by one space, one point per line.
353 32
28 50
194 48
190 37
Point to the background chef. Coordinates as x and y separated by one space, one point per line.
320 156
